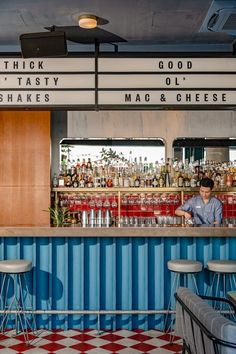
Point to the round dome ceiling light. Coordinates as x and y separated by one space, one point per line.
88 21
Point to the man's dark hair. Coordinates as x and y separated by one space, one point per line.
207 182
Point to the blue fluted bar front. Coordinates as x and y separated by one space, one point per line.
105 273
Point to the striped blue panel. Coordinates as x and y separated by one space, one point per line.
108 274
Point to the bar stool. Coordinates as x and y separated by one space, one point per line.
185 268
14 271
224 277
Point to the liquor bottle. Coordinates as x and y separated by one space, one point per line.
167 179
73 175
81 181
126 180
145 166
234 180
199 178
64 165
89 164
180 180
137 182
109 182
75 183
142 181
103 179
61 180
193 181
135 166
115 180
161 181
148 180
78 166
140 165
55 181
229 180
186 181
83 166
174 182
68 178
130 159
154 182
90 183
131 181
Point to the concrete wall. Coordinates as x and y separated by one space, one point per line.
58 132
168 125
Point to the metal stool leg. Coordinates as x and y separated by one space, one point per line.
6 307
173 289
234 280
17 303
195 282
209 290
34 327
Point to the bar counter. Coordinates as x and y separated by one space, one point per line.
118 232
76 270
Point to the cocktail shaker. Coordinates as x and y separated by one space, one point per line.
99 218
107 218
92 218
84 218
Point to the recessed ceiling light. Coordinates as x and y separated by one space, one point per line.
87 21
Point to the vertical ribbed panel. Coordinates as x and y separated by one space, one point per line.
108 274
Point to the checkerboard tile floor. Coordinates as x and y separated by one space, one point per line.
90 341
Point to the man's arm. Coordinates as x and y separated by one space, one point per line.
180 212
184 210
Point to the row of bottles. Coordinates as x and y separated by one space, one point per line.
143 174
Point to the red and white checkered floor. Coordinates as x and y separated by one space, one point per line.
90 341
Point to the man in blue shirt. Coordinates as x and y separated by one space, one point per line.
205 209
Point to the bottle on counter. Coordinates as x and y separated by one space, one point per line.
161 181
68 178
55 180
180 180
155 183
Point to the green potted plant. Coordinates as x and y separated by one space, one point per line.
59 216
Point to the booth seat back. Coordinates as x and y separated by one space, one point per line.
203 329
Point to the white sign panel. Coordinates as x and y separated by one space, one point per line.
167 98
167 81
46 98
166 64
161 81
59 65
71 82
47 82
